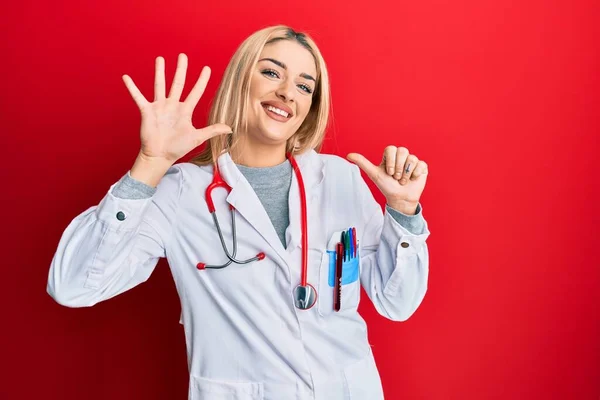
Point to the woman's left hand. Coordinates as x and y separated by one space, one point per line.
400 176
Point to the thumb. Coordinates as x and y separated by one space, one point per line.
211 131
370 169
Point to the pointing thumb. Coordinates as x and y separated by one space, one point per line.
364 164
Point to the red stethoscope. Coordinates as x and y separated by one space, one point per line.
305 295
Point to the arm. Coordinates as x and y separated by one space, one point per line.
114 246
394 256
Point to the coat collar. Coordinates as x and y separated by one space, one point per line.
247 203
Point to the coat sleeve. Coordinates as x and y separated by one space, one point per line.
394 261
113 246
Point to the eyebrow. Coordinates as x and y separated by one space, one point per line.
282 65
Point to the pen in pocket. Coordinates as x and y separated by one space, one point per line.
337 288
354 242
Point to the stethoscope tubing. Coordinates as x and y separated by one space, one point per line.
231 257
303 278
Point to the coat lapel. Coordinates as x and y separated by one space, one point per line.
248 205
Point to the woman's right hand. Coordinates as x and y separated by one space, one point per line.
167 133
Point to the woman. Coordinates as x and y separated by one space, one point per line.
284 324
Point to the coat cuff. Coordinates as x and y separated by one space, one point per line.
122 214
398 236
413 223
130 188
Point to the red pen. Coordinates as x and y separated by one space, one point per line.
337 288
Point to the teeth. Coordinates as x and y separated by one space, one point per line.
277 111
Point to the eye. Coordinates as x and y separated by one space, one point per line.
270 72
307 89
273 74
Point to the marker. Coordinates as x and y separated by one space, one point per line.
343 241
337 288
351 243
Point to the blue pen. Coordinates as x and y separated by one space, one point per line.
343 240
355 242
351 240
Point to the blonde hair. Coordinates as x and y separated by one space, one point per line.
230 105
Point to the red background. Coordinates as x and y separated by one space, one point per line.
501 99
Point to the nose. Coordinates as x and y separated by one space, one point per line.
285 91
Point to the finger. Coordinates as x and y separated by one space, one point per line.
179 80
370 169
401 156
211 131
420 169
389 160
197 91
409 167
159 79
137 96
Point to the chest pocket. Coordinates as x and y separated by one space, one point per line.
350 292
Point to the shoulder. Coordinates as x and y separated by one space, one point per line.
192 173
338 167
179 178
335 161
344 175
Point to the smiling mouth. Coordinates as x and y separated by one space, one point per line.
277 111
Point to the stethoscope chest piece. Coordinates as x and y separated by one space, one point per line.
305 296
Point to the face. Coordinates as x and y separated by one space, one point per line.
281 92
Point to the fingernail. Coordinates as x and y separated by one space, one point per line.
403 181
390 170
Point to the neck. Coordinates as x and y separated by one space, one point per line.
257 155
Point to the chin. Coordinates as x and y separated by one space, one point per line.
272 137
270 132
273 134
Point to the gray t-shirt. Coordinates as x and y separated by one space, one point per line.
272 186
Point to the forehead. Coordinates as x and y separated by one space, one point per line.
295 56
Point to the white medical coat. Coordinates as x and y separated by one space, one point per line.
245 338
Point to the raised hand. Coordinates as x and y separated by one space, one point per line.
167 133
